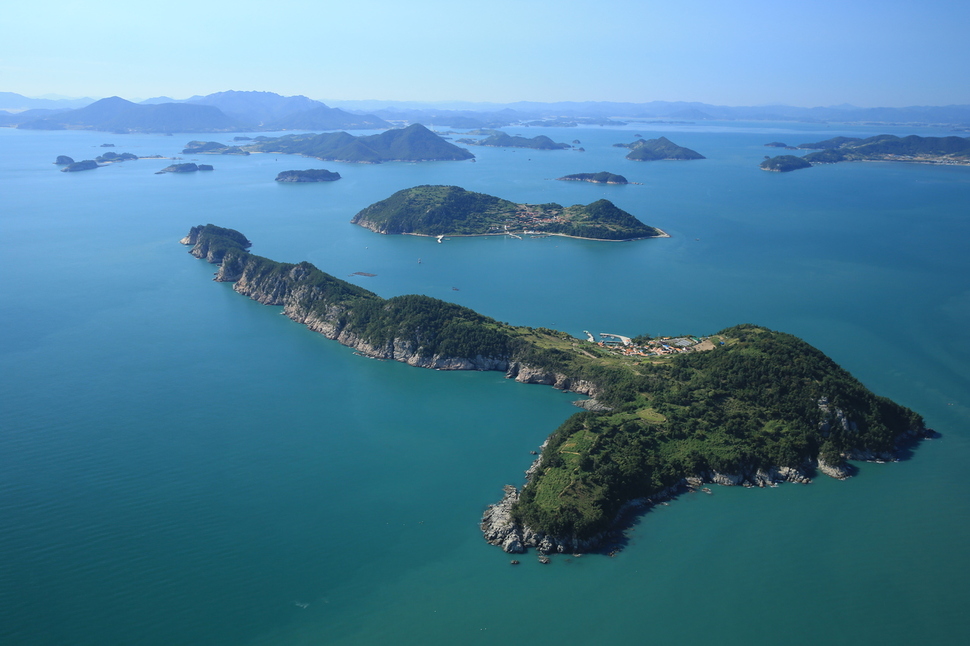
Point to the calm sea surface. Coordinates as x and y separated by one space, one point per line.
181 465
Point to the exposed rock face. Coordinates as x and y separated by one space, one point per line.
528 375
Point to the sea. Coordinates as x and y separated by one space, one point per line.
182 465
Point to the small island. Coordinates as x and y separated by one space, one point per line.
744 406
108 158
63 160
310 175
211 148
658 149
453 211
596 178
503 140
188 167
784 163
87 164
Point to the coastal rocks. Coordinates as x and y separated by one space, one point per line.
837 471
525 374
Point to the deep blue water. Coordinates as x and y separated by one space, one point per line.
179 464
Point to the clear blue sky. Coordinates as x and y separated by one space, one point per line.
745 52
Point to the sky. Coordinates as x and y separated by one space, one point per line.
866 53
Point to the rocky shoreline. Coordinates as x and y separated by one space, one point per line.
499 527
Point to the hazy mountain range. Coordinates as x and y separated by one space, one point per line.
235 111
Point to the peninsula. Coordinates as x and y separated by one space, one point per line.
596 178
658 149
451 210
926 150
746 405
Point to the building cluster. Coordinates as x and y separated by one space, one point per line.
654 347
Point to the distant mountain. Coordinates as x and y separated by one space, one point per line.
14 101
322 117
115 114
414 143
256 108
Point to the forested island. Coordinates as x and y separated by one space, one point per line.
451 210
310 175
211 148
658 149
746 405
188 167
784 163
73 167
596 178
414 143
927 150
504 140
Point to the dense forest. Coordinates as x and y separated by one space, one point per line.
451 210
744 398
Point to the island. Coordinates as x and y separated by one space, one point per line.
596 178
87 164
414 143
784 163
504 140
926 150
188 167
63 160
211 148
453 211
744 406
112 157
658 149
310 175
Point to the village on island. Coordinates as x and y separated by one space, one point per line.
660 346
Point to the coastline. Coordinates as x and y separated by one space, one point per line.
500 528
663 234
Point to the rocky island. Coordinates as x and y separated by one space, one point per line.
453 211
596 178
310 175
658 149
746 405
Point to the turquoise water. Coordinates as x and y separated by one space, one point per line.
180 465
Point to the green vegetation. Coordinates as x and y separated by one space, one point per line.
310 175
414 143
939 150
745 398
115 157
211 148
784 163
188 167
87 164
597 178
451 210
504 140
658 149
